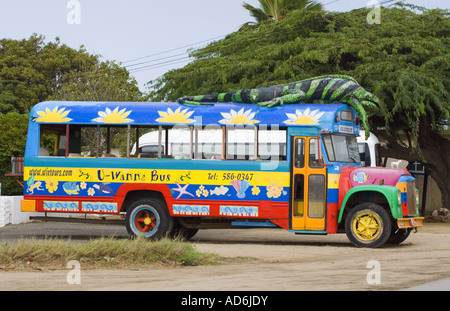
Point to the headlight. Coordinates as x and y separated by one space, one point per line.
399 198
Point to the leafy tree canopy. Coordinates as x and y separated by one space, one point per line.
32 71
404 61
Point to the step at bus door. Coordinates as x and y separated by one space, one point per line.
308 186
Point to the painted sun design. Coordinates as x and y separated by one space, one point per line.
114 116
240 117
177 116
306 117
53 116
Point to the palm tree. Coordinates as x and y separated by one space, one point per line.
277 9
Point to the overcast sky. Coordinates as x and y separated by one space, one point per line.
133 31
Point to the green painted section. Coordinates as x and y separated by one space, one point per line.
389 192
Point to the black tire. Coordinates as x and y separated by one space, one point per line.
368 225
149 218
398 236
180 232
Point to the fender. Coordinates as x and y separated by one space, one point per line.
391 193
161 188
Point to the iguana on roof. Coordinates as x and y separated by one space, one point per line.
332 88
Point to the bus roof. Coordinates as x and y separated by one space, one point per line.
170 113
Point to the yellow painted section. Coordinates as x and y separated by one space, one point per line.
405 223
105 175
401 186
333 181
28 205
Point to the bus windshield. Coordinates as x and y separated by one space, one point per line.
341 148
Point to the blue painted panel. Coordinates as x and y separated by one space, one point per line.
162 113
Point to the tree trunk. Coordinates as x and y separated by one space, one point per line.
435 152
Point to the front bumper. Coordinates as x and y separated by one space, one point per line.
406 223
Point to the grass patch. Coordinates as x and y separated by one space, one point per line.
100 253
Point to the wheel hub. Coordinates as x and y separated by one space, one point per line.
367 226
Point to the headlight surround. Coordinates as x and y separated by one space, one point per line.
399 198
417 198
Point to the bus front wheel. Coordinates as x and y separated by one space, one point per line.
149 218
368 225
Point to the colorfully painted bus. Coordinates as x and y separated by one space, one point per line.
215 165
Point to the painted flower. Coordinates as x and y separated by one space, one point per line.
274 190
205 193
83 185
53 116
306 117
114 116
198 192
91 191
255 190
51 185
177 116
240 117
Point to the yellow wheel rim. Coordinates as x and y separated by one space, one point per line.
367 226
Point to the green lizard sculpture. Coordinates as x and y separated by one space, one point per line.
332 88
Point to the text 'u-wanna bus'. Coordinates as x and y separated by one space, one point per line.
172 169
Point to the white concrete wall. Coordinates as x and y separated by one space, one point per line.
10 212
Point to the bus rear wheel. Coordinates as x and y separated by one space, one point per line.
149 218
181 232
368 225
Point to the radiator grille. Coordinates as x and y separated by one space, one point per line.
411 197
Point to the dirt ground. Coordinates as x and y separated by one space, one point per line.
269 260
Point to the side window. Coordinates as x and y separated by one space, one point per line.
52 140
240 143
209 143
112 142
99 142
299 153
272 144
299 194
329 148
313 154
316 196
179 143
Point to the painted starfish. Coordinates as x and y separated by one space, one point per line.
182 190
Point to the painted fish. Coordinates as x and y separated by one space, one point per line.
219 190
71 188
104 189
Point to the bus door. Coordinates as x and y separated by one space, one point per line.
308 186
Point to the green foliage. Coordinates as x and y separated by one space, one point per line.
32 71
404 60
13 133
105 81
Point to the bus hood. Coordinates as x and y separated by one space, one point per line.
353 176
362 176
